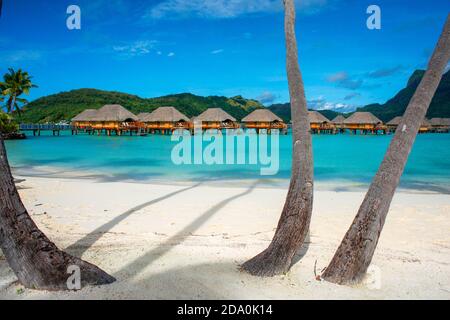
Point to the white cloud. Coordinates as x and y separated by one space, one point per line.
321 103
171 54
219 9
217 51
135 49
343 80
339 76
266 97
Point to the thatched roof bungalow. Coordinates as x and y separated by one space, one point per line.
263 119
114 117
83 120
319 122
165 118
216 118
440 124
393 124
338 121
364 121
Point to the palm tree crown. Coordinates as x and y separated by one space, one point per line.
15 83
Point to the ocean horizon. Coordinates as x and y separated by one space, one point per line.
342 161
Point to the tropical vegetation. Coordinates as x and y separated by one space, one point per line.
13 86
7 124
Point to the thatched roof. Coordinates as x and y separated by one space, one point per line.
165 114
362 117
440 122
213 115
317 117
86 115
262 115
426 123
396 122
143 115
339 119
114 112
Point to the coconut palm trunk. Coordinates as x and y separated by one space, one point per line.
355 253
36 261
293 225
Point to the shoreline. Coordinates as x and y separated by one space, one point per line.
187 242
342 185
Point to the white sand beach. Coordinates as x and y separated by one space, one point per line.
187 242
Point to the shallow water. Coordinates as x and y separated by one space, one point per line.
342 160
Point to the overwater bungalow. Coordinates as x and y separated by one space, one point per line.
319 123
440 125
83 121
164 120
364 122
114 118
393 124
264 119
216 118
339 123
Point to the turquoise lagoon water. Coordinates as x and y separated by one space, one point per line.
340 160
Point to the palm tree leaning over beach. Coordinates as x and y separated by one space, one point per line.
36 261
355 253
15 83
294 222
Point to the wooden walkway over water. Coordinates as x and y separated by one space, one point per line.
37 128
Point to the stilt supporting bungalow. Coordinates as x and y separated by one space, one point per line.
110 119
215 119
164 120
394 123
83 121
264 119
320 124
364 123
440 125
339 124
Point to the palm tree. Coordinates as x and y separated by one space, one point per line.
355 253
36 261
13 86
294 222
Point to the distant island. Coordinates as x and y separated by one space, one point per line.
66 105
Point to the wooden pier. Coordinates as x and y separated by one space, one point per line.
38 128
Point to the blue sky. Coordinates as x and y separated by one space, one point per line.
221 47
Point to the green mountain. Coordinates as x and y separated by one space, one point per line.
283 110
65 105
440 105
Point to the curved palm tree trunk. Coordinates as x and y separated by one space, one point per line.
293 225
36 261
354 255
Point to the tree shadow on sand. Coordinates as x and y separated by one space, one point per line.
151 256
83 244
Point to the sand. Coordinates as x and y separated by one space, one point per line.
187 241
